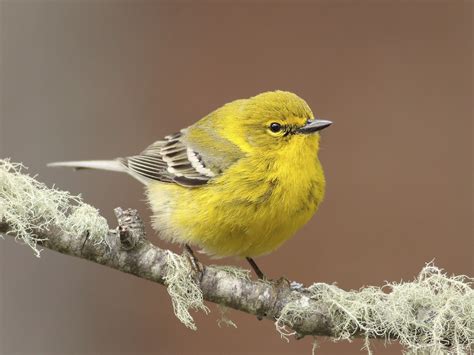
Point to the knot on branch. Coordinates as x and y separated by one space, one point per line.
131 229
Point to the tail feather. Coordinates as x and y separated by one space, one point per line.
110 165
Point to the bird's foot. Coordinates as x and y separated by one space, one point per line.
256 269
198 268
282 283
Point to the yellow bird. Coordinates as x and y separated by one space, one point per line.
238 182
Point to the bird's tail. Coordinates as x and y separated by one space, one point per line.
111 165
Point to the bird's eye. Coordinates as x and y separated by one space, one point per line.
275 127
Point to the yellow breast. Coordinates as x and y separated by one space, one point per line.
249 210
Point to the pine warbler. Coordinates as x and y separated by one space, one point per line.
239 182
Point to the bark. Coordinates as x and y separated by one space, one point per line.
128 250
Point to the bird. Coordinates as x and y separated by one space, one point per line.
239 182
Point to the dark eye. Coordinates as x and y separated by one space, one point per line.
275 127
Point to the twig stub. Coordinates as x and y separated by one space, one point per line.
131 228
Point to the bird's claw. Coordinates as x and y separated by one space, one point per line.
282 283
194 262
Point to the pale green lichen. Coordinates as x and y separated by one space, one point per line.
314 346
234 271
433 314
224 318
81 219
31 208
294 311
183 289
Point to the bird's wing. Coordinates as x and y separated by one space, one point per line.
169 160
186 161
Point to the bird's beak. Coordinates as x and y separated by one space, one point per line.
315 125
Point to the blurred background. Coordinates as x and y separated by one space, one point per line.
100 79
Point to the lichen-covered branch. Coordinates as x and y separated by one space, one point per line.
434 313
225 287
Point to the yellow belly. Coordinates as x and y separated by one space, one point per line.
250 210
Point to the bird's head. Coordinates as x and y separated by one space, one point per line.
271 120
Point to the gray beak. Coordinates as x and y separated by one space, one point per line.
314 125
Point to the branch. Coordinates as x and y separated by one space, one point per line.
434 313
139 257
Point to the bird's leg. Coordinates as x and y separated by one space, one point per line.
194 261
255 268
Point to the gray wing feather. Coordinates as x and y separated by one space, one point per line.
171 161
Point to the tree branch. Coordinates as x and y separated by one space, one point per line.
139 257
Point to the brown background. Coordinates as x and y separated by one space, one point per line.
102 79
